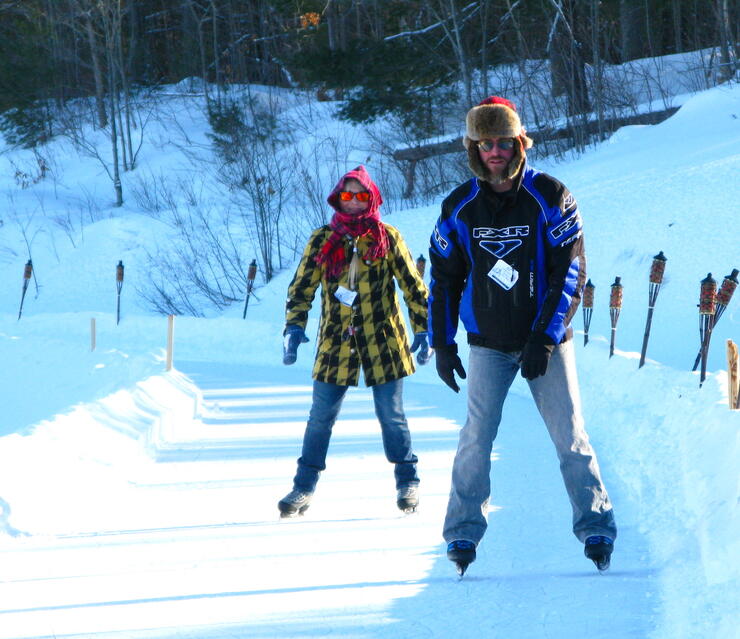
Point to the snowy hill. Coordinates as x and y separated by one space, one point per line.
139 503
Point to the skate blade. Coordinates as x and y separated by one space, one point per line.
293 514
461 568
406 507
602 566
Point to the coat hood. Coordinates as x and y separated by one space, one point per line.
363 177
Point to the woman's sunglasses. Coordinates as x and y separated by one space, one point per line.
505 144
346 196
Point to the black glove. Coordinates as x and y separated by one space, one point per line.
421 342
535 356
448 363
292 337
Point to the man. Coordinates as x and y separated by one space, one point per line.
507 257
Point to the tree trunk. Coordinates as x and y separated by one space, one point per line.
567 63
726 48
216 54
677 35
128 149
632 29
56 50
558 62
112 89
198 24
331 26
483 8
446 12
458 42
97 73
597 90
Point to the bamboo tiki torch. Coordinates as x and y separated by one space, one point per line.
251 274
707 308
729 284
615 307
656 279
27 272
421 265
119 285
588 308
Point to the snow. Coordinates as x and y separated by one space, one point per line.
140 503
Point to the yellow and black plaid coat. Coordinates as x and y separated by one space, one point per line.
371 335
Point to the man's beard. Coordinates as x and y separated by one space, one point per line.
498 178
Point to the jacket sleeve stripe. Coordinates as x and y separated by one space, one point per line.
467 314
450 316
562 225
441 235
446 301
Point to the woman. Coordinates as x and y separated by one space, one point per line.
357 259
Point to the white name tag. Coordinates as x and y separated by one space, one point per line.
345 296
504 274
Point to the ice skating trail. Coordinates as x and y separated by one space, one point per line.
176 533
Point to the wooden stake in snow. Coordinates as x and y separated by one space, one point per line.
733 375
656 279
170 341
27 272
588 308
92 334
615 308
119 285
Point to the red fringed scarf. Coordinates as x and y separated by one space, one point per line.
332 254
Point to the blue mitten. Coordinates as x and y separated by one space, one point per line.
293 336
421 343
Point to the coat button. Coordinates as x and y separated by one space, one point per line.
352 351
368 262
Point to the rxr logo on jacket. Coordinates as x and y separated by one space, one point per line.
560 230
500 242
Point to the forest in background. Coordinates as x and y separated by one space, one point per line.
403 57
113 78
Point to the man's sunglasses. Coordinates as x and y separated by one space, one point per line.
505 144
346 196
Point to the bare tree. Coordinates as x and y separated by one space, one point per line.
598 75
200 266
727 57
632 23
453 21
200 14
93 43
567 65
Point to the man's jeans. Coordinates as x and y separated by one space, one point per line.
327 400
556 394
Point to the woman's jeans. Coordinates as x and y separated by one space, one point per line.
556 394
327 400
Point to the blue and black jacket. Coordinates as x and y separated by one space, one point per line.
511 266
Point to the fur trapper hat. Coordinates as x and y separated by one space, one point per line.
495 117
